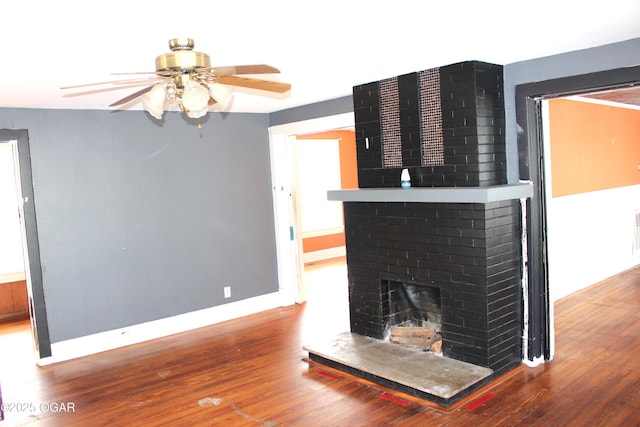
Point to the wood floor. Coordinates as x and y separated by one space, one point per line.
252 372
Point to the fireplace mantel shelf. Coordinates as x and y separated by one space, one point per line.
434 194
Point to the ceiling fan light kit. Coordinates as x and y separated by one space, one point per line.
195 99
154 101
184 79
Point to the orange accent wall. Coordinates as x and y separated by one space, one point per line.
593 147
317 243
348 179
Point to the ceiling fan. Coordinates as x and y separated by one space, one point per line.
184 79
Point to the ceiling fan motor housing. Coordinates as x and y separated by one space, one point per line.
182 57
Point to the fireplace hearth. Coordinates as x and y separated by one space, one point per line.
421 374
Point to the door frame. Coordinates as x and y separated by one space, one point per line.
530 141
33 267
287 223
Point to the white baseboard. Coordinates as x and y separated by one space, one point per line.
324 254
12 277
109 340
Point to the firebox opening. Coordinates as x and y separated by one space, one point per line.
414 315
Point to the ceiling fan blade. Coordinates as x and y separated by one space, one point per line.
131 97
267 85
162 73
101 90
244 69
137 82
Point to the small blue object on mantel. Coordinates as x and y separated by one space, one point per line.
405 179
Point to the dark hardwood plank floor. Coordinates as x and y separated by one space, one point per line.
252 372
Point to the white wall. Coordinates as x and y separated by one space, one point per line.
11 258
590 237
318 172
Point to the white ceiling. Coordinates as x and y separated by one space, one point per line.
322 48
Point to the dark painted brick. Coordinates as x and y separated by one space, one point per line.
472 252
472 107
449 246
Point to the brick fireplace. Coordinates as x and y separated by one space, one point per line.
470 252
457 232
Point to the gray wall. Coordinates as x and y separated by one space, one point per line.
139 221
601 58
316 110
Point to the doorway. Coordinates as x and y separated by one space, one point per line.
592 188
325 161
529 116
18 142
287 215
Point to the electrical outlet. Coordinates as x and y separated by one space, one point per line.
227 291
